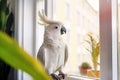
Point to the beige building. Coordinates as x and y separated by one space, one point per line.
80 18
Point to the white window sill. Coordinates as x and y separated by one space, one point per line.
79 78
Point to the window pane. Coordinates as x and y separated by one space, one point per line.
39 28
81 18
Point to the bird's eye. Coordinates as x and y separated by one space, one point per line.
56 27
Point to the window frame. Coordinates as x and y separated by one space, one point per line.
21 15
108 34
108 40
22 23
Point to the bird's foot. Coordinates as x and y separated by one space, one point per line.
61 76
55 77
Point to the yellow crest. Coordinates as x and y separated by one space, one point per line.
45 20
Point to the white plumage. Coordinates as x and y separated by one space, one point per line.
54 52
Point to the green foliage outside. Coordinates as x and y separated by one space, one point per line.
85 65
94 49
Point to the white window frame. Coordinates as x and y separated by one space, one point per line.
25 23
108 34
108 40
25 29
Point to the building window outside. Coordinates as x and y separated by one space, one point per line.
78 18
67 11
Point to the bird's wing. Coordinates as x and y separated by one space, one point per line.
66 54
41 55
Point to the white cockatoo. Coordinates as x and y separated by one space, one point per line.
54 52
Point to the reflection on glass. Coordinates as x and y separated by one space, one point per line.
81 18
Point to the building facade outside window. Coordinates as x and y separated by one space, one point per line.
79 20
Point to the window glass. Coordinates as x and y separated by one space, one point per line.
81 18
39 28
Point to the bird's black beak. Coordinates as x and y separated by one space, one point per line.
63 30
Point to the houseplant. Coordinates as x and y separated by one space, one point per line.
94 50
84 67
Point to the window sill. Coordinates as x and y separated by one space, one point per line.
80 78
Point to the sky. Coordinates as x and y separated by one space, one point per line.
94 4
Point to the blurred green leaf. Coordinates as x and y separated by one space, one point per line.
3 19
14 55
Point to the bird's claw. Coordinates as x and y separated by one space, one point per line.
61 76
55 77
